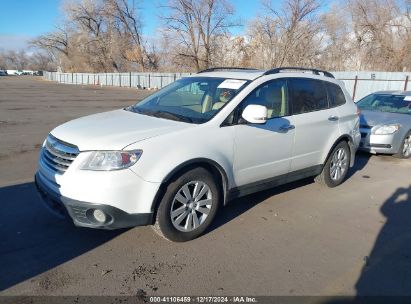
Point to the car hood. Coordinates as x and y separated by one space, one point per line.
114 130
373 118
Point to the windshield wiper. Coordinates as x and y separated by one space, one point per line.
161 114
170 115
132 109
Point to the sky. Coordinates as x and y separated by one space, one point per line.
22 20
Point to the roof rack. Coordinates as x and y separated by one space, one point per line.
226 69
315 71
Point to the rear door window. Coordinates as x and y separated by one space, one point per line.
335 95
307 95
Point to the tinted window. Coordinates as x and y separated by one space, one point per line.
271 94
307 95
190 94
191 99
335 95
386 103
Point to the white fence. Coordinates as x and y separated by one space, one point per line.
358 84
132 80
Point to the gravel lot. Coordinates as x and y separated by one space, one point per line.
299 239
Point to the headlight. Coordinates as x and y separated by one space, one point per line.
111 160
386 129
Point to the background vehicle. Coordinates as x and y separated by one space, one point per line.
386 123
173 159
3 73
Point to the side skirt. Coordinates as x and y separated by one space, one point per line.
273 182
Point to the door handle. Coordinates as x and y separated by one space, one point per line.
333 118
287 127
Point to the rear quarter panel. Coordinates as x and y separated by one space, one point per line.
348 122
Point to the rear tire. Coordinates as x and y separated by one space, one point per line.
336 167
188 206
405 149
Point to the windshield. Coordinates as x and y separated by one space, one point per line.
386 103
192 99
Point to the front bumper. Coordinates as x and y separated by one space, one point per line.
82 212
381 144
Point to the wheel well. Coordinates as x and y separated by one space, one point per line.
216 170
345 138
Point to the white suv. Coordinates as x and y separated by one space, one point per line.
174 158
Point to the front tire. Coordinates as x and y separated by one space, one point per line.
336 167
188 206
405 149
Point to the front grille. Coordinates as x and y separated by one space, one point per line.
58 155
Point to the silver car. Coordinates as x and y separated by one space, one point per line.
385 123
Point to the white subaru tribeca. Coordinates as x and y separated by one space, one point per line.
173 159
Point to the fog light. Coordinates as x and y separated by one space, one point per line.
99 215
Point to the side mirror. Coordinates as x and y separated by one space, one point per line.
255 114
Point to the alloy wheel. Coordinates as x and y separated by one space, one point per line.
339 164
406 149
191 206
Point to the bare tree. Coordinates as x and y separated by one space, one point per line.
99 36
54 41
338 46
89 18
56 44
289 36
15 60
129 28
382 32
20 60
3 61
107 36
41 61
195 26
232 51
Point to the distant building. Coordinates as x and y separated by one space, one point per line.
20 72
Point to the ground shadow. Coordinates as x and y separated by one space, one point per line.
361 160
241 205
33 241
387 270
386 274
